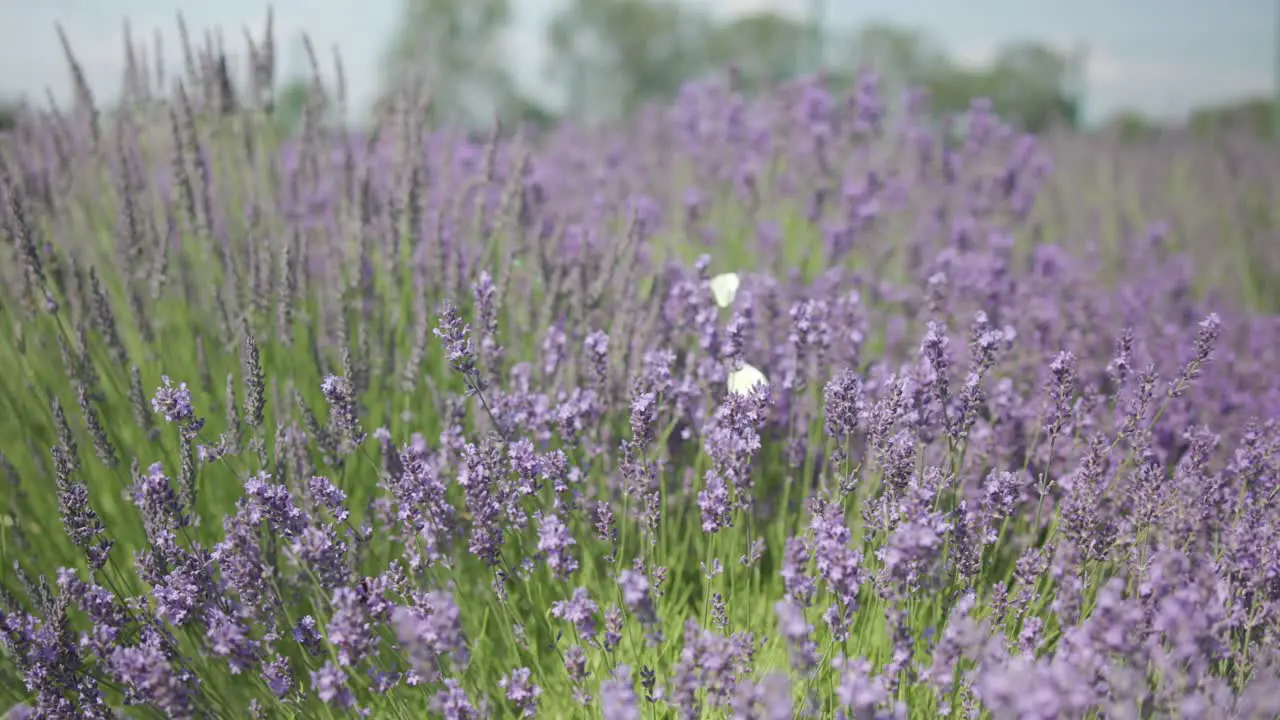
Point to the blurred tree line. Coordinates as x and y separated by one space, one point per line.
1252 116
8 115
607 58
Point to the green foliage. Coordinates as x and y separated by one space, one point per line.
1132 126
8 116
455 49
765 48
620 54
902 56
612 56
1252 115
1026 82
526 110
291 103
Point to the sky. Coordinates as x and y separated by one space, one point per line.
1159 57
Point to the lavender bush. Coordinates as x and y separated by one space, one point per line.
407 424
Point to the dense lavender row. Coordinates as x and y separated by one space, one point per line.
753 408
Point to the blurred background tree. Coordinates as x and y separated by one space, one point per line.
612 56
290 102
902 57
1248 115
457 49
1131 126
607 58
765 48
1028 82
8 114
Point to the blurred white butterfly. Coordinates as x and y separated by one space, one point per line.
742 380
725 287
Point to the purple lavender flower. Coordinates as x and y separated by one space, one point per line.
735 337
455 335
83 525
915 543
477 474
575 663
330 685
714 504
188 588
580 611
278 677
768 699
273 502
957 638
612 628
555 542
733 439
526 464
935 350
838 565
343 418
860 693
553 349
597 349
430 632
712 663
242 563
845 405
618 696
321 551
521 691
173 403
1061 391
1201 354
156 499
797 584
150 676
643 409
485 293
452 703
229 638
1121 365
307 634
636 596
110 619
799 636
576 413
329 496
350 630
21 711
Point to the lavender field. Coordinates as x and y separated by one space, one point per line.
792 405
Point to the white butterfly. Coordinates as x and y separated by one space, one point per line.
725 287
742 380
